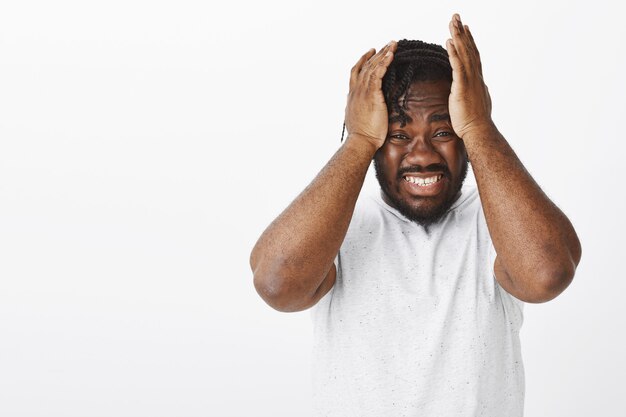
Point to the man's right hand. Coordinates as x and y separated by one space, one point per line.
293 260
366 111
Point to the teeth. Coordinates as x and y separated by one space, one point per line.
423 181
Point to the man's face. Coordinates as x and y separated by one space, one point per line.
422 165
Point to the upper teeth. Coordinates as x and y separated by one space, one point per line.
423 181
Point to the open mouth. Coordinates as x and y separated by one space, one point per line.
423 182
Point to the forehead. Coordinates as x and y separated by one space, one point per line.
424 97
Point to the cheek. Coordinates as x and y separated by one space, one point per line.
389 157
454 154
387 167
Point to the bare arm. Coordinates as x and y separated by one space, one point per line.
293 259
537 246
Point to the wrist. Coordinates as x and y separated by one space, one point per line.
363 144
480 132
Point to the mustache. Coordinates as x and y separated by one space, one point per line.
420 169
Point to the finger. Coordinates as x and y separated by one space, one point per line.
457 19
458 70
457 31
373 62
381 62
471 45
376 78
384 55
461 42
356 69
475 49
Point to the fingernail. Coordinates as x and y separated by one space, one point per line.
390 43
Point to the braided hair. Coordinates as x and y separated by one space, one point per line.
413 61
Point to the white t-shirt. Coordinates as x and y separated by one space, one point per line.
416 324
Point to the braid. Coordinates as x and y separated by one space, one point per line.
399 89
413 61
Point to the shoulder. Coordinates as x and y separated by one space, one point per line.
468 200
373 222
368 215
371 211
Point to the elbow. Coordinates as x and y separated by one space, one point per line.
279 291
270 290
554 278
553 282
268 282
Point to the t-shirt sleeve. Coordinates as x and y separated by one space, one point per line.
507 298
492 261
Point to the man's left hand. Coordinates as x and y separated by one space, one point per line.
469 103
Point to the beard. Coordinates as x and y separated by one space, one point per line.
430 212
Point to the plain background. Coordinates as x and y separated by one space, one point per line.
145 145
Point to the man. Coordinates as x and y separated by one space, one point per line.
418 293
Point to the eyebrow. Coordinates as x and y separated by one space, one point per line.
438 117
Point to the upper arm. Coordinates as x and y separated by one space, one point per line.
504 279
324 287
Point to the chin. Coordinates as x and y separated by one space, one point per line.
428 214
425 211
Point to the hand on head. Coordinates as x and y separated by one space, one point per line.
367 116
366 112
470 103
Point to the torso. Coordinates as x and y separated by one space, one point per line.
416 323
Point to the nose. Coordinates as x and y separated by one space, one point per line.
421 152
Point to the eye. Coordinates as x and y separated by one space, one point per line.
443 136
399 137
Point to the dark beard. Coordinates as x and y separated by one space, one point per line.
424 218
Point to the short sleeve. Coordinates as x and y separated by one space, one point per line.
515 305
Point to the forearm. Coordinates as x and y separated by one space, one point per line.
294 254
535 242
293 259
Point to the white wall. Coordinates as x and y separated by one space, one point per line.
145 145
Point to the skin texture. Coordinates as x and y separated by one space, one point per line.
425 146
293 259
537 247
